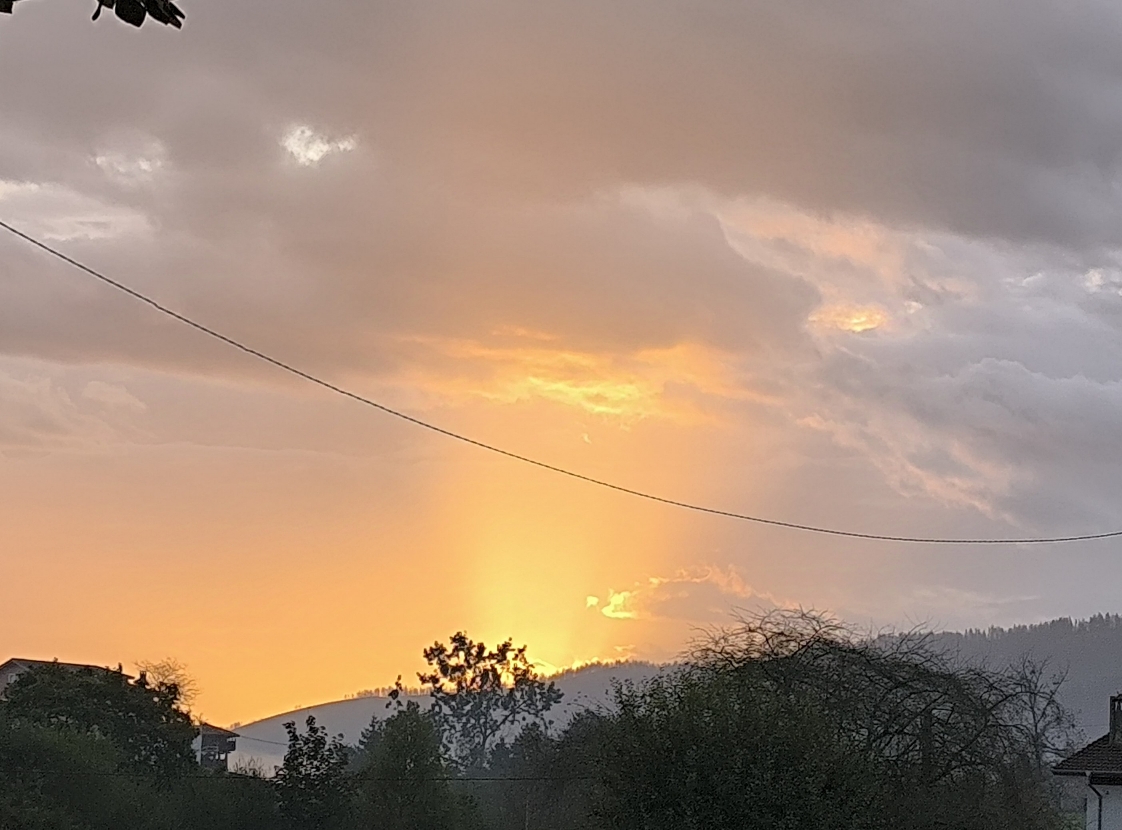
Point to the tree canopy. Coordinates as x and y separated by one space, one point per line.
481 695
403 775
312 784
143 720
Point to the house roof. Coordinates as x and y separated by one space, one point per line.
210 729
13 668
1097 757
25 664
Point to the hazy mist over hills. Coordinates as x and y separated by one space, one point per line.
585 688
1089 651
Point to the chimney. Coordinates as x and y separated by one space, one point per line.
1116 720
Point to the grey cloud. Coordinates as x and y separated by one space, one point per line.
993 118
601 275
486 131
702 596
700 602
39 416
1039 450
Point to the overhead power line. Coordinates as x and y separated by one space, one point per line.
262 740
235 777
697 508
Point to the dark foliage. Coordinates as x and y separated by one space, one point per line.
144 721
782 721
403 779
62 779
786 721
313 787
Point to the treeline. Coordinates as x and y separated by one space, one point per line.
783 721
1087 652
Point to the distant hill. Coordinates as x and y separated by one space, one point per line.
1089 650
265 741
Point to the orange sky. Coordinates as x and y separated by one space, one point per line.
778 259
250 564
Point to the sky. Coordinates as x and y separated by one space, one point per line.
856 265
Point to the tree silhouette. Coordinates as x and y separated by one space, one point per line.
403 779
312 784
481 694
144 720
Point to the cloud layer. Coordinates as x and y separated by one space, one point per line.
856 265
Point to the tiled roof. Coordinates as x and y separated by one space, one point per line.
1097 756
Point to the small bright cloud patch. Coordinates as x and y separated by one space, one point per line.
60 214
128 169
309 148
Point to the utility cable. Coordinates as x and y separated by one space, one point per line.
261 740
697 508
359 776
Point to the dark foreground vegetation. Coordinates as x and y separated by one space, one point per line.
780 722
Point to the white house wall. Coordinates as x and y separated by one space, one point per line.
1112 808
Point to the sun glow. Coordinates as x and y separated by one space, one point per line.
854 319
669 383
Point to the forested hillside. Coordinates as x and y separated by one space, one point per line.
1090 651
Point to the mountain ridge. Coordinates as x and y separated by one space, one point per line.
1088 650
